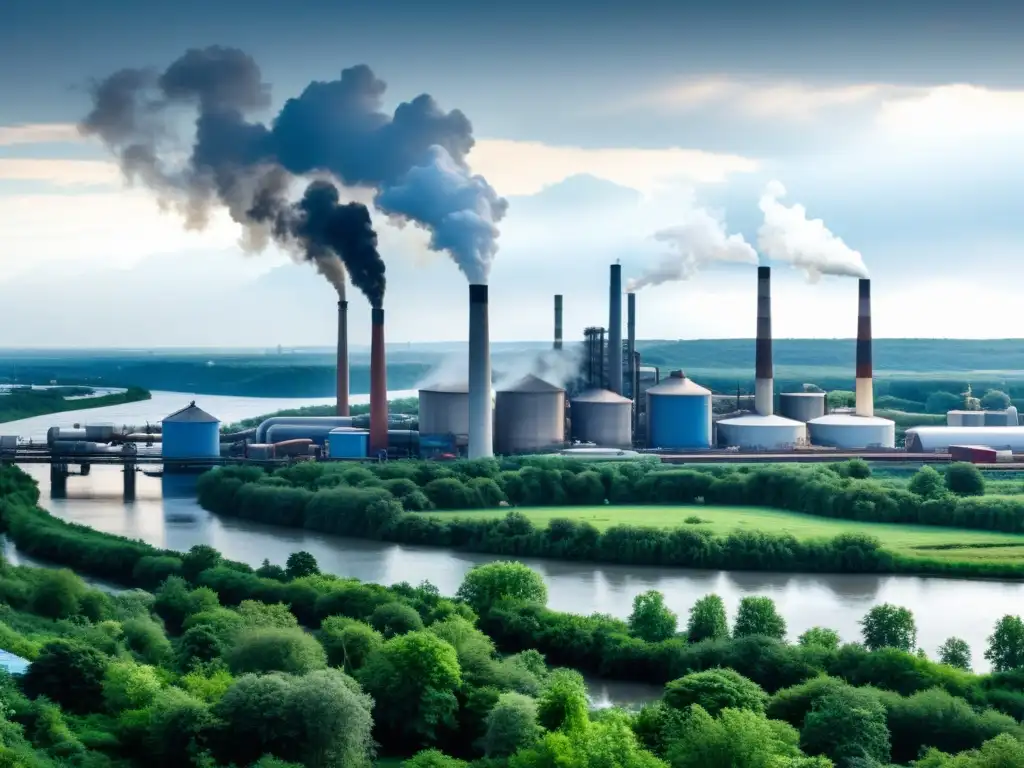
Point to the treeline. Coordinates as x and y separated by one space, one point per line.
388 502
214 670
23 403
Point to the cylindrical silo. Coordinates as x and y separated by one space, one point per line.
802 406
850 432
529 416
678 414
602 417
190 433
444 410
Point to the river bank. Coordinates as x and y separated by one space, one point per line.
20 404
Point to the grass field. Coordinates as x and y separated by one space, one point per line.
952 544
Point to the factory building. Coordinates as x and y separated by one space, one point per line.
529 415
932 439
191 433
602 417
678 414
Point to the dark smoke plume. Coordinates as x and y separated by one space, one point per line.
414 160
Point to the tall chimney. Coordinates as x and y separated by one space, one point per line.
342 382
615 330
481 444
378 384
631 340
865 405
558 321
764 386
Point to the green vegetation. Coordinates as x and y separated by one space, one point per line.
813 518
406 405
25 402
213 670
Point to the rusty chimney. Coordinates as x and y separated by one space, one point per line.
481 420
764 385
865 405
558 321
378 384
342 379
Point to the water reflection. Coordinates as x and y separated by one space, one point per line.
165 514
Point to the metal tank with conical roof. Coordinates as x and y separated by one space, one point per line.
529 415
190 433
678 414
602 417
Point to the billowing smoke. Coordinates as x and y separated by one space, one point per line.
414 160
555 366
788 235
700 240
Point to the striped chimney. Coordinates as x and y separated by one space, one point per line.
378 384
481 420
764 385
558 321
342 378
865 405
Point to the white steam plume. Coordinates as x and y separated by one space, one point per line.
555 366
788 235
700 240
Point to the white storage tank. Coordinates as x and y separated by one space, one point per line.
678 414
761 433
529 416
931 439
602 417
848 432
965 419
802 406
444 410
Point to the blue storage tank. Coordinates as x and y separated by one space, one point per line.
678 414
348 443
191 433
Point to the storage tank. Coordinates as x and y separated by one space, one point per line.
444 410
998 419
191 433
1012 419
931 439
602 417
529 416
802 406
345 443
852 432
965 419
761 433
678 414
99 433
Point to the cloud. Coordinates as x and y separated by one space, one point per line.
61 173
525 167
789 100
39 133
957 112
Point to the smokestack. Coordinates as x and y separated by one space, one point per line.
378 385
631 340
615 330
865 384
764 386
558 321
481 444
342 382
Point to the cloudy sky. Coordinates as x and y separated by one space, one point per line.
902 128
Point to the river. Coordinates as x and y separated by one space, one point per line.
165 514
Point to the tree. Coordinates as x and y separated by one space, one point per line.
1006 644
69 674
395 618
608 743
1004 751
199 643
177 728
257 614
965 479
943 402
847 725
889 626
276 650
511 725
820 637
58 594
270 571
413 679
995 400
927 482
563 704
301 564
956 653
841 398
736 739
334 714
432 758
146 639
715 690
348 643
198 559
758 616
707 620
651 620
127 685
502 580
